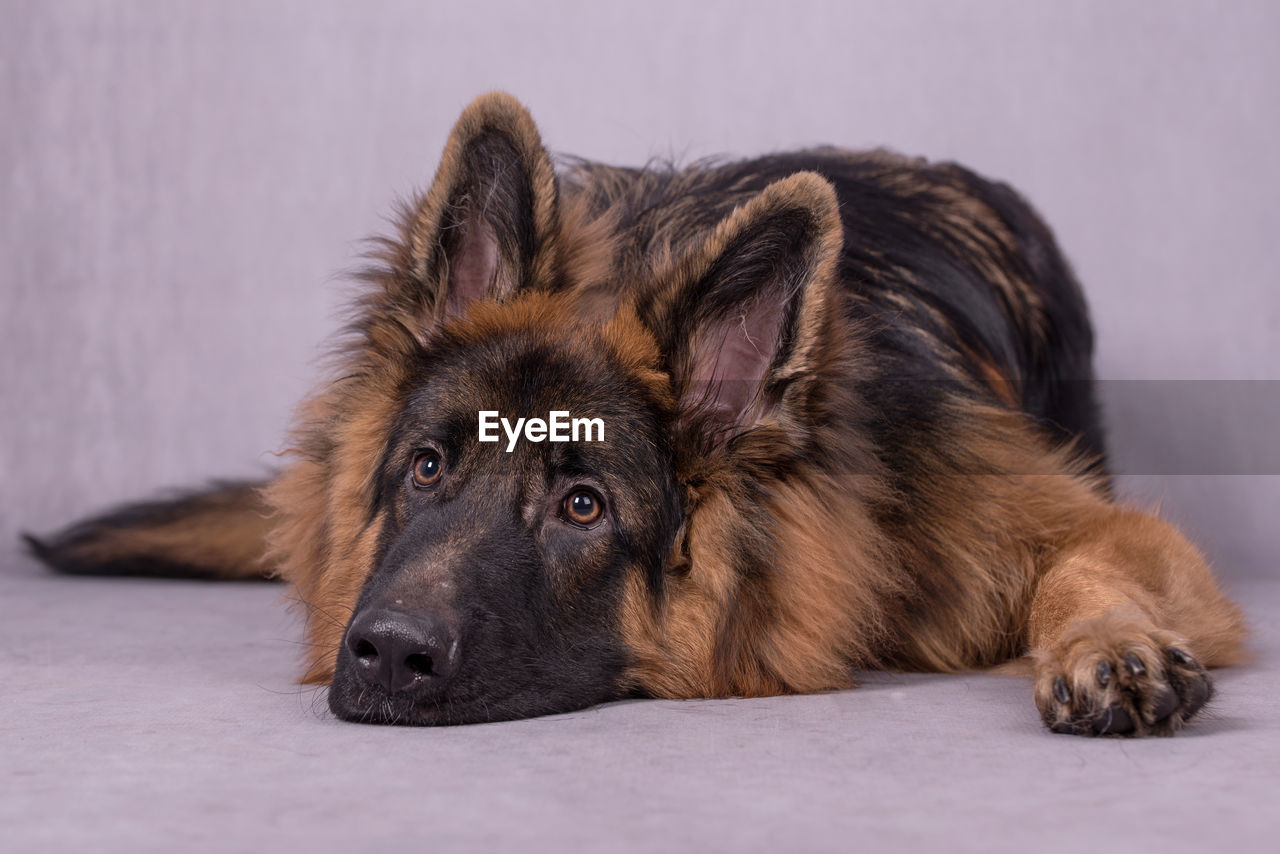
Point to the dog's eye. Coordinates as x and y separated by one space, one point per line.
427 467
583 507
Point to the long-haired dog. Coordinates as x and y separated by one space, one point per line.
836 413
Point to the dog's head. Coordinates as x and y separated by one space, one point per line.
623 544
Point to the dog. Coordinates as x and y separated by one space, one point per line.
837 414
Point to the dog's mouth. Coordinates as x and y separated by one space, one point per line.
353 698
371 706
387 710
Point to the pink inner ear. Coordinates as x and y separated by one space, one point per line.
732 356
473 268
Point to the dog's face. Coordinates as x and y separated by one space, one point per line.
500 566
450 579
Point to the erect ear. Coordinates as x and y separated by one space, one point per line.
745 315
484 227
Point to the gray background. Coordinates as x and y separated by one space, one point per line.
185 184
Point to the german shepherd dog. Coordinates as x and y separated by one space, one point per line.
837 414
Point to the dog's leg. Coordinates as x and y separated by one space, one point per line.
1125 619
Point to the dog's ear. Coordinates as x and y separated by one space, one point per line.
484 228
745 315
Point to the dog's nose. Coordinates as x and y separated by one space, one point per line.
403 652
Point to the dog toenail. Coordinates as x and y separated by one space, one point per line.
1104 673
1164 704
1134 664
1061 691
1179 656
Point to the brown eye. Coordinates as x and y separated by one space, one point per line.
427 467
583 507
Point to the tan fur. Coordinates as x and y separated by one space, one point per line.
218 537
324 541
1124 558
713 636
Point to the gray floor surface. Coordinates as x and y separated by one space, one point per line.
145 715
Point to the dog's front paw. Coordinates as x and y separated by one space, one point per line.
1119 675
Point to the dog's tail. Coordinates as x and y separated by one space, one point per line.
218 532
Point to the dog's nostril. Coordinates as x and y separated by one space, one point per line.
420 663
363 648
